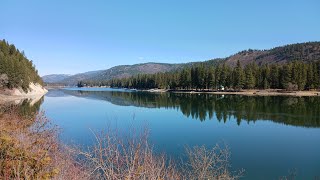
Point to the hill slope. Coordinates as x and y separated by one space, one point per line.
130 70
306 52
72 80
16 71
117 72
54 78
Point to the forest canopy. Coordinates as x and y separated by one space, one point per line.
295 75
16 71
291 67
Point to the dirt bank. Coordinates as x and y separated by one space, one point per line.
17 94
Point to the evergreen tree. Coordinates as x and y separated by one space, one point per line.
238 76
250 79
286 76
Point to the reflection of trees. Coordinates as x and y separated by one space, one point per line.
298 111
25 108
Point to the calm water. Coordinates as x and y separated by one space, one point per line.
268 136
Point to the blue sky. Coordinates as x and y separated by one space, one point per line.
64 36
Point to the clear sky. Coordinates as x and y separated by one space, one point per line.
64 36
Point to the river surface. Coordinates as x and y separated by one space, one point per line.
267 136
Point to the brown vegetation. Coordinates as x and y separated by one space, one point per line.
132 157
29 150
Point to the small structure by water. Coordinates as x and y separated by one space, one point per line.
221 88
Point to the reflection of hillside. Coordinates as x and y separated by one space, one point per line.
25 107
297 111
56 93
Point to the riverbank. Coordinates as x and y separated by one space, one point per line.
36 91
252 92
268 92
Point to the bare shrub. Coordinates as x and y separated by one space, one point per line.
292 87
29 148
206 163
292 174
69 167
129 157
132 157
25 147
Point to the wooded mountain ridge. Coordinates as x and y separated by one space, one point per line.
121 71
306 52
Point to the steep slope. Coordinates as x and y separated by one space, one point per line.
306 52
18 75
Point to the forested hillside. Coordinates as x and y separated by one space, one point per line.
54 78
306 52
117 72
124 71
291 67
15 69
295 75
302 52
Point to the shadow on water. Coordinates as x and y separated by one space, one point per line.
295 111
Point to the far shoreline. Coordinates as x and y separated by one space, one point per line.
254 92
250 92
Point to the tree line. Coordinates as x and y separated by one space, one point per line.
15 69
293 76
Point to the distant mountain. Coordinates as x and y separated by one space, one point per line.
129 70
55 78
117 72
305 52
73 79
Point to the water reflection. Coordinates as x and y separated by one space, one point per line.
23 107
296 111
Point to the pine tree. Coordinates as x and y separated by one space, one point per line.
211 78
250 79
274 77
310 77
286 76
238 76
